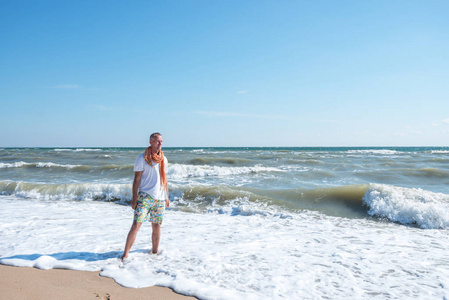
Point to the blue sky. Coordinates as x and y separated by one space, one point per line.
224 73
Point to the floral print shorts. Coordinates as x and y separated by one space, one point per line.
149 209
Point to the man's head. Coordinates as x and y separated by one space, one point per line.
156 142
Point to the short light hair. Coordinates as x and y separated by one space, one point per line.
153 135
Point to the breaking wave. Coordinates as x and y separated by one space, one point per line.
426 209
177 171
374 151
69 191
78 150
21 164
439 151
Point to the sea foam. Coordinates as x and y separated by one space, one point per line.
78 150
177 171
16 164
408 205
374 151
21 164
68 191
231 256
439 151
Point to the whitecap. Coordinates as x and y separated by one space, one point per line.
408 205
17 164
53 165
439 151
374 151
176 171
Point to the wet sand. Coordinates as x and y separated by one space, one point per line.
31 283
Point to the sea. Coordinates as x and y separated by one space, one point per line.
243 223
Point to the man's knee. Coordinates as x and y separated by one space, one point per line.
136 226
156 225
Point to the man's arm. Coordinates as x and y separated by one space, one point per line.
167 201
136 184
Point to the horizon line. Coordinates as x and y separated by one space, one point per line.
167 147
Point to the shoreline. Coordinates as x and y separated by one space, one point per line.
32 283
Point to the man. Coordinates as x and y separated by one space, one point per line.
150 192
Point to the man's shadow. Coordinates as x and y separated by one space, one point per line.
86 256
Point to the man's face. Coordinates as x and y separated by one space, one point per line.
156 143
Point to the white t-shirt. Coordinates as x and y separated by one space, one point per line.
150 181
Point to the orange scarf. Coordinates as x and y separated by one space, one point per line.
150 157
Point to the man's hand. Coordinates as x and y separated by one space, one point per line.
167 203
134 203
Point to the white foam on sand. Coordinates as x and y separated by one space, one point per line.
231 255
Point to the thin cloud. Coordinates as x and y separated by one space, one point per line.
234 114
102 107
243 92
442 122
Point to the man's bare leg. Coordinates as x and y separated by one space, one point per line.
156 236
131 238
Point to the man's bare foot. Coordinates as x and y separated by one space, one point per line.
123 257
159 252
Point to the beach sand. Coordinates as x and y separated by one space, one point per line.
31 283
